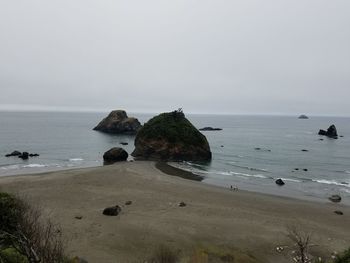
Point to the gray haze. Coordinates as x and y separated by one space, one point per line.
218 56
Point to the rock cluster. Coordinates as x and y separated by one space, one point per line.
210 129
331 132
171 137
118 122
23 155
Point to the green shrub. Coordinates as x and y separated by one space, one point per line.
344 257
11 255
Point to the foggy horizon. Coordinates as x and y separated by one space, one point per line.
243 57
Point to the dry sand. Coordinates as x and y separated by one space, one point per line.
213 216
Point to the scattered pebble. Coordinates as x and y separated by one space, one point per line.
112 211
304 150
78 217
128 202
279 249
305 170
182 204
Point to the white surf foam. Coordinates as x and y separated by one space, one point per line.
34 165
76 159
332 182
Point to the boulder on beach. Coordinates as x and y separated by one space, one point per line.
279 182
118 122
210 129
115 154
172 137
303 116
335 198
331 132
112 211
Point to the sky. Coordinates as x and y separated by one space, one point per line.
218 56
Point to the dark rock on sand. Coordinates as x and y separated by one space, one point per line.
182 204
303 117
14 153
128 202
331 132
112 211
279 182
338 212
210 129
335 198
124 143
171 137
118 122
115 154
24 156
78 217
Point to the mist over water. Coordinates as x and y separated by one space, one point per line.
251 152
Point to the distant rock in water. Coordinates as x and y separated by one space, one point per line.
24 156
210 129
115 154
303 117
14 153
118 122
170 136
331 132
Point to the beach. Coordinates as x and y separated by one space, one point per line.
213 217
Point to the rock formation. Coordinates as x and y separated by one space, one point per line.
170 136
118 122
115 155
331 132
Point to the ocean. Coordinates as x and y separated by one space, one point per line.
250 153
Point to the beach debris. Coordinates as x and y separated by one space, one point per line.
331 132
124 143
335 198
279 249
279 182
115 154
78 217
128 202
182 204
112 211
78 260
210 129
338 212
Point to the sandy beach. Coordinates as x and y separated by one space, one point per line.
213 217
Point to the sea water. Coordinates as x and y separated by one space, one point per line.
250 153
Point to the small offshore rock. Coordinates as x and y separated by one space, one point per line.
304 150
335 198
115 154
210 129
182 204
303 116
305 170
14 153
112 211
128 202
24 156
279 182
124 143
338 212
331 132
257 148
296 169
33 155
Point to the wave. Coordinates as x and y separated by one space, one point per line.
249 168
248 175
332 182
76 159
10 167
34 165
291 180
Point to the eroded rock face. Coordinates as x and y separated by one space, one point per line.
115 154
118 122
170 136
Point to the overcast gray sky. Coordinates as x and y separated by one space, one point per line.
218 56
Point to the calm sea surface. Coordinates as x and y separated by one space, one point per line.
66 140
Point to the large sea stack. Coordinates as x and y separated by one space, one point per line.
331 132
171 137
118 122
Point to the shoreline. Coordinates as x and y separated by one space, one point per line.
213 216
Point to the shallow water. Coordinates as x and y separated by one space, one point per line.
66 140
